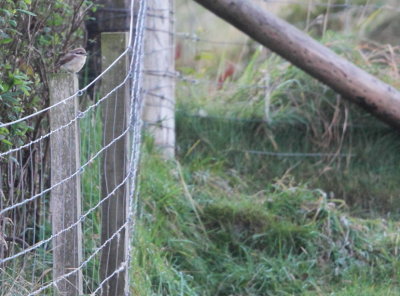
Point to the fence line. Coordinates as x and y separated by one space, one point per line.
294 154
30 252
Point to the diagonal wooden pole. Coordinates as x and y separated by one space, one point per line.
354 84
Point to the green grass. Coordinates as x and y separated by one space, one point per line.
194 238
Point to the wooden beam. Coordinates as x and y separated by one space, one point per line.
354 84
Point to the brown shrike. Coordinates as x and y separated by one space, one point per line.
74 60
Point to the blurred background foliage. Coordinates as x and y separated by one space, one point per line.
268 119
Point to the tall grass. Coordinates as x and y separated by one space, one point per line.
198 233
284 122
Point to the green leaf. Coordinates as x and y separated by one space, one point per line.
23 5
6 40
4 87
55 20
4 131
6 12
12 23
26 12
6 142
25 90
11 30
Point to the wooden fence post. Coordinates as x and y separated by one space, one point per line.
65 204
159 77
115 118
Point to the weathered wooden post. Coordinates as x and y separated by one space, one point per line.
111 22
159 78
65 204
115 120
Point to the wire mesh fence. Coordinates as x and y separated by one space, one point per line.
33 241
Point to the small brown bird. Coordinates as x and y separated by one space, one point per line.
74 60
